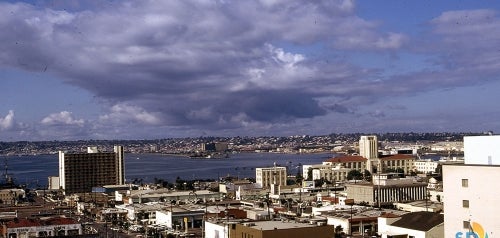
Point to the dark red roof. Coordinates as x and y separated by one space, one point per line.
346 159
29 222
397 156
23 223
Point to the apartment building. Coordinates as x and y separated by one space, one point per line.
80 172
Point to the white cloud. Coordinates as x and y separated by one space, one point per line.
8 121
123 113
62 118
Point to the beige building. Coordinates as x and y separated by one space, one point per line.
279 229
11 195
337 168
397 162
264 177
387 189
80 172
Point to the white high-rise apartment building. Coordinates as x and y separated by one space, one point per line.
470 197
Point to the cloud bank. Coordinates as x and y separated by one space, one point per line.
236 66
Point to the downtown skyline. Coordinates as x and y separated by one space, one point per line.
98 69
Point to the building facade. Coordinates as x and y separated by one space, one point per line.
425 166
80 172
278 229
397 162
336 169
368 148
52 227
387 189
265 177
470 200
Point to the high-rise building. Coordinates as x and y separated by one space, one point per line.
470 198
368 148
79 172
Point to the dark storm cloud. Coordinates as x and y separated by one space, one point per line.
218 64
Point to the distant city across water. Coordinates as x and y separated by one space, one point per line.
34 170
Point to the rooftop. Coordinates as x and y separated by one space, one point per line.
420 221
272 225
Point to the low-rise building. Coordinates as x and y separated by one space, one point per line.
280 229
28 227
11 196
387 189
415 224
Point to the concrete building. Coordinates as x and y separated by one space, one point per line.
425 166
54 183
368 148
265 177
337 168
470 198
391 189
391 163
80 172
178 217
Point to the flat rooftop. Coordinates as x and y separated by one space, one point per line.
271 225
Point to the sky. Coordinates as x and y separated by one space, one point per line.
151 69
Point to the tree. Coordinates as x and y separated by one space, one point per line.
354 174
299 178
319 182
338 231
309 174
367 175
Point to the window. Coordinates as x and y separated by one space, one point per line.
465 183
466 225
465 203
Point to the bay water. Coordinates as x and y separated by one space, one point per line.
34 170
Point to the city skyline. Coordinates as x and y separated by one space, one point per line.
100 69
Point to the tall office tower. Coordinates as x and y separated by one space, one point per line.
79 172
368 148
470 194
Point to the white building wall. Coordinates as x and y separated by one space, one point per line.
483 212
335 221
482 150
403 231
215 230
164 218
425 166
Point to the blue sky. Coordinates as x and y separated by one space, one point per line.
98 69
